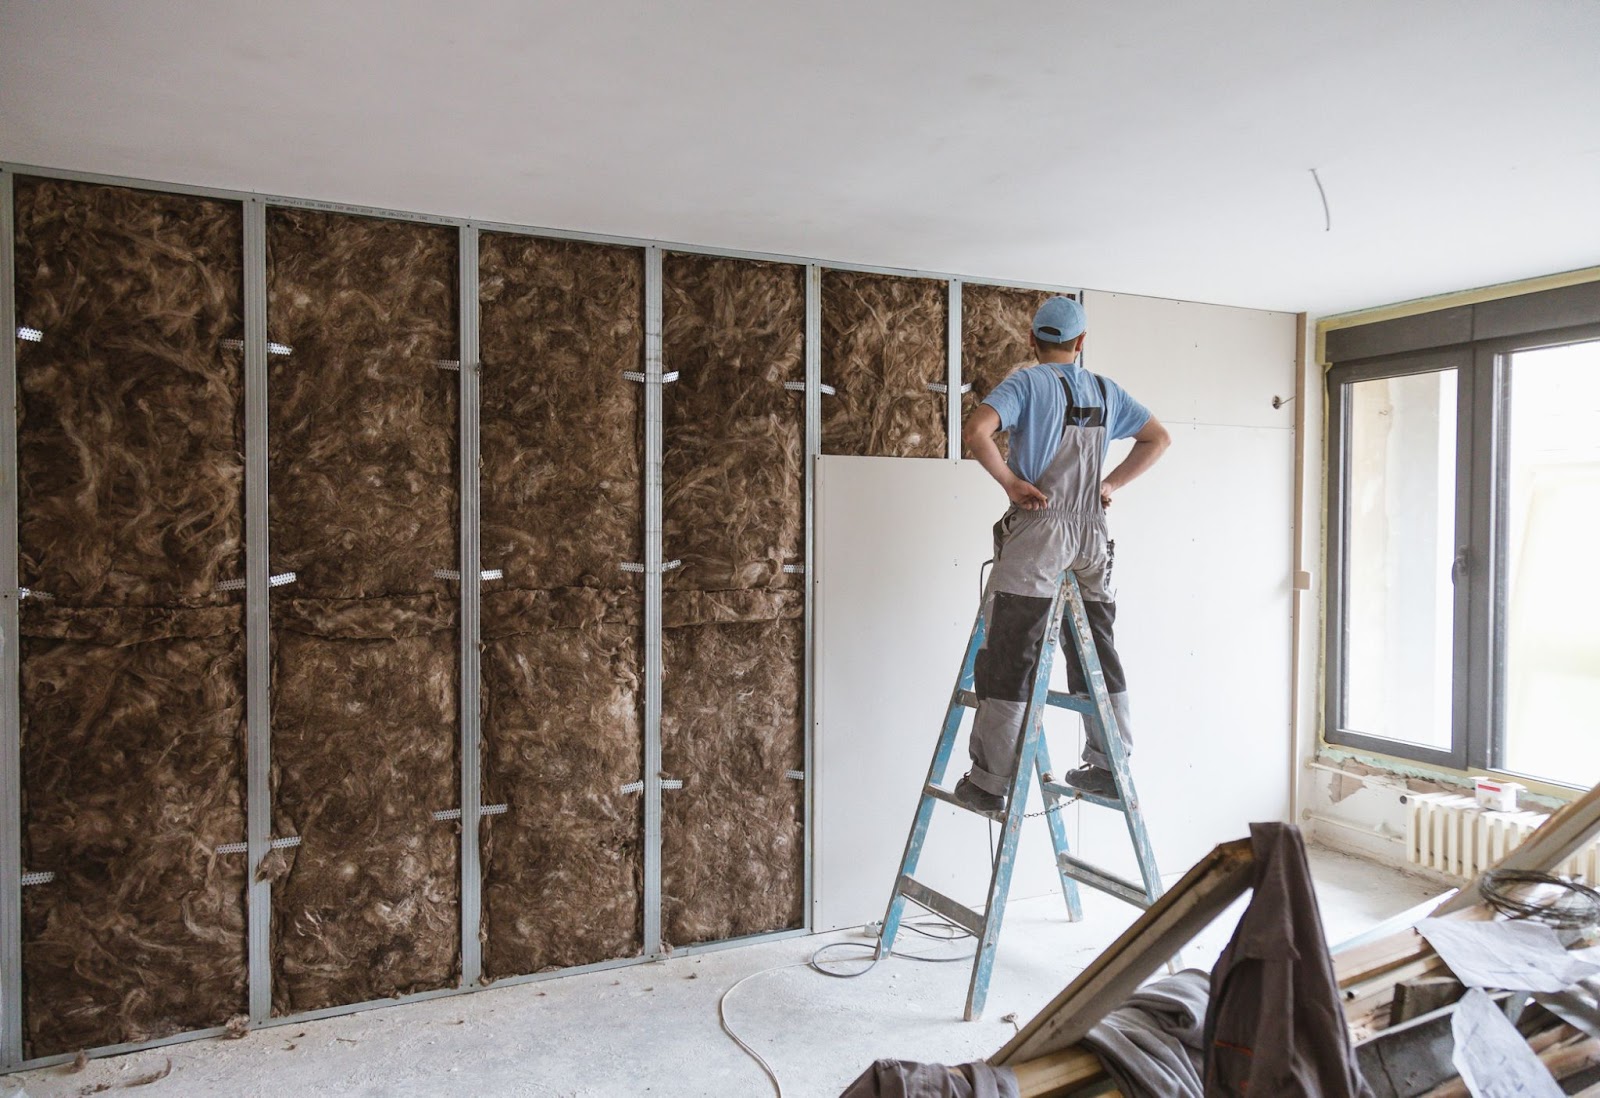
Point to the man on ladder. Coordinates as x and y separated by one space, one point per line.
1061 420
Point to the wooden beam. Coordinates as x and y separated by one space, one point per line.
1214 882
1059 1073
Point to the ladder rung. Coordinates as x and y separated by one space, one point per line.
1074 793
950 798
1078 703
1095 877
941 905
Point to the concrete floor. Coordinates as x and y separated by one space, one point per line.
652 1029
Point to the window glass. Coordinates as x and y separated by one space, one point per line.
1551 702
1399 594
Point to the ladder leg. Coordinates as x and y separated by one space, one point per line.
1058 830
936 769
1016 808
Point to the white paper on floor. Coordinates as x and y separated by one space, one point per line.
1493 1059
1513 955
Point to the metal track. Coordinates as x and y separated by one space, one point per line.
257 621
470 593
10 703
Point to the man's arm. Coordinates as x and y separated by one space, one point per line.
1149 443
979 433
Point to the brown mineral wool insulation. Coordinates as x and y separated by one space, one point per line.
563 867
883 340
132 767
996 323
364 729
130 430
561 485
733 838
734 438
362 418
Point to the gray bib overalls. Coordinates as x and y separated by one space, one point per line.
1031 548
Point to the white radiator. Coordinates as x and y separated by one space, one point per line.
1449 833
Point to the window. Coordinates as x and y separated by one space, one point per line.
1464 536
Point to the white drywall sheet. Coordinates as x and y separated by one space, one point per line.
1203 620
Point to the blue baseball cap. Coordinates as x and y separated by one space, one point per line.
1059 320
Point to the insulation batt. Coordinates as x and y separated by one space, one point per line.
362 430
996 324
132 762
734 438
563 866
883 341
733 511
130 485
562 495
733 838
130 440
563 508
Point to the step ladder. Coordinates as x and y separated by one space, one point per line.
1034 755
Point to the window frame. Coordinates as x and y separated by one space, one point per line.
1477 341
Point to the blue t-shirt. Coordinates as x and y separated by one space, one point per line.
1032 407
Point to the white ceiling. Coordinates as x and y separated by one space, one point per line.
1148 147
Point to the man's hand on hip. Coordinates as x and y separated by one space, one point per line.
1026 496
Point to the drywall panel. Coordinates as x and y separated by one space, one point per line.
884 342
733 836
562 503
362 434
130 484
1194 363
1203 572
900 548
1203 620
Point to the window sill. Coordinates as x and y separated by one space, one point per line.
1537 791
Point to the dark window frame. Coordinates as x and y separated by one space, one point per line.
1477 341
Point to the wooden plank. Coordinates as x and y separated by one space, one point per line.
1058 1073
1552 843
1188 907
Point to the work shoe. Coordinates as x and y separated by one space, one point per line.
1094 780
977 799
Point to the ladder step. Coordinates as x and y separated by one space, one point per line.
1095 877
1073 792
950 798
941 905
1078 703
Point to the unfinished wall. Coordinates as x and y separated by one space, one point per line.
733 639
562 497
883 341
362 429
996 323
130 481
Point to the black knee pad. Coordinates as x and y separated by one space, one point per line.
1004 666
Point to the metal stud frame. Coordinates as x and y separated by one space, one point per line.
258 583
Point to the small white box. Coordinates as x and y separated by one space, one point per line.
1495 795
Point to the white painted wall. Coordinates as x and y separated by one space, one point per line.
1204 557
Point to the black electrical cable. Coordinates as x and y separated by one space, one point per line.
1575 907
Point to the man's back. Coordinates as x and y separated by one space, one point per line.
1033 405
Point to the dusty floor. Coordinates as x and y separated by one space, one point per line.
652 1029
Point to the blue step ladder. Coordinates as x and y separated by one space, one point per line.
1095 706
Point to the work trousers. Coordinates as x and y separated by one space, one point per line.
1031 550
